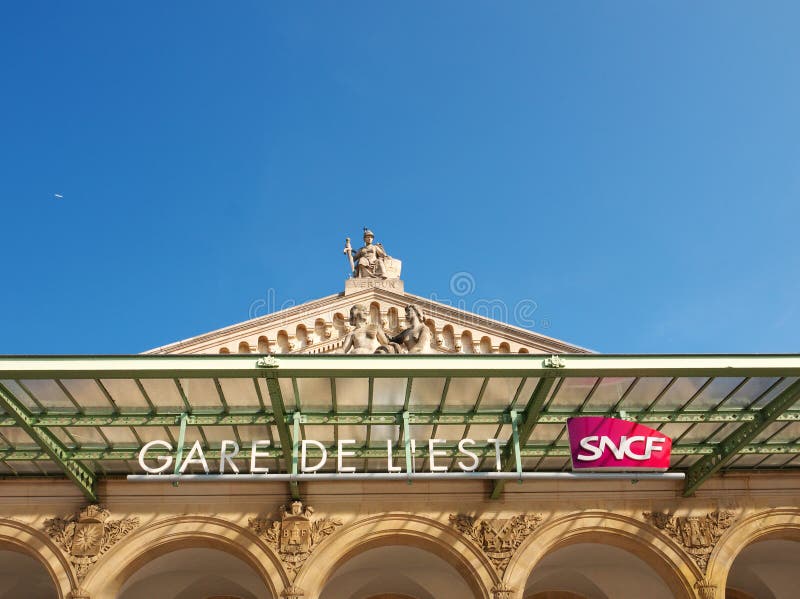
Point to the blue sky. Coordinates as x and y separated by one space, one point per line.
631 170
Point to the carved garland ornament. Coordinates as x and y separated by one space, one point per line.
87 535
295 536
696 534
498 538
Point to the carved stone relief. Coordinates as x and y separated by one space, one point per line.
502 592
498 538
705 589
293 592
368 338
87 535
696 534
295 535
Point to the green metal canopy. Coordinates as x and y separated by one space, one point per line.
87 417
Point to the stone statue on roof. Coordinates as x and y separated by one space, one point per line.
371 261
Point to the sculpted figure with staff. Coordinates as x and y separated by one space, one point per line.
371 261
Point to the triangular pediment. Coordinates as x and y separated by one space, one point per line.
320 326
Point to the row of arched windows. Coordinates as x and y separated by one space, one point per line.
446 338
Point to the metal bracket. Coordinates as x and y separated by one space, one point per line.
179 450
515 437
276 399
554 361
407 441
295 440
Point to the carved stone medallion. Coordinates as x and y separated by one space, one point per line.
696 534
498 538
295 536
87 535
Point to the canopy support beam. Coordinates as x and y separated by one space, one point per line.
50 444
245 417
276 399
529 419
710 464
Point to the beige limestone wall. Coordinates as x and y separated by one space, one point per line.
493 544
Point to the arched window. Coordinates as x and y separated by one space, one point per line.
466 343
449 338
284 347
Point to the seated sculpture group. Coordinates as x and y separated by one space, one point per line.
368 338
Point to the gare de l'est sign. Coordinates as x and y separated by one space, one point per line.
596 444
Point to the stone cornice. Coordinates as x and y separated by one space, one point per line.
442 313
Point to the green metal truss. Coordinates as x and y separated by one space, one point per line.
258 417
288 445
50 445
43 424
529 418
707 466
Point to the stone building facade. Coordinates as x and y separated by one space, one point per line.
736 535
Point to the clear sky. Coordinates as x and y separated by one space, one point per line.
631 170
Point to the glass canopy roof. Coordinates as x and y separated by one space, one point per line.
89 416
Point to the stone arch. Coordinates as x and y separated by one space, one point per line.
340 324
283 343
263 344
392 529
676 569
302 336
321 332
449 338
431 324
164 536
504 348
393 320
224 350
783 523
375 313
486 345
244 347
16 536
467 346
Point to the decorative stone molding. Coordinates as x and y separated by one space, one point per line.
293 592
87 535
705 589
501 591
79 593
497 538
696 534
295 536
